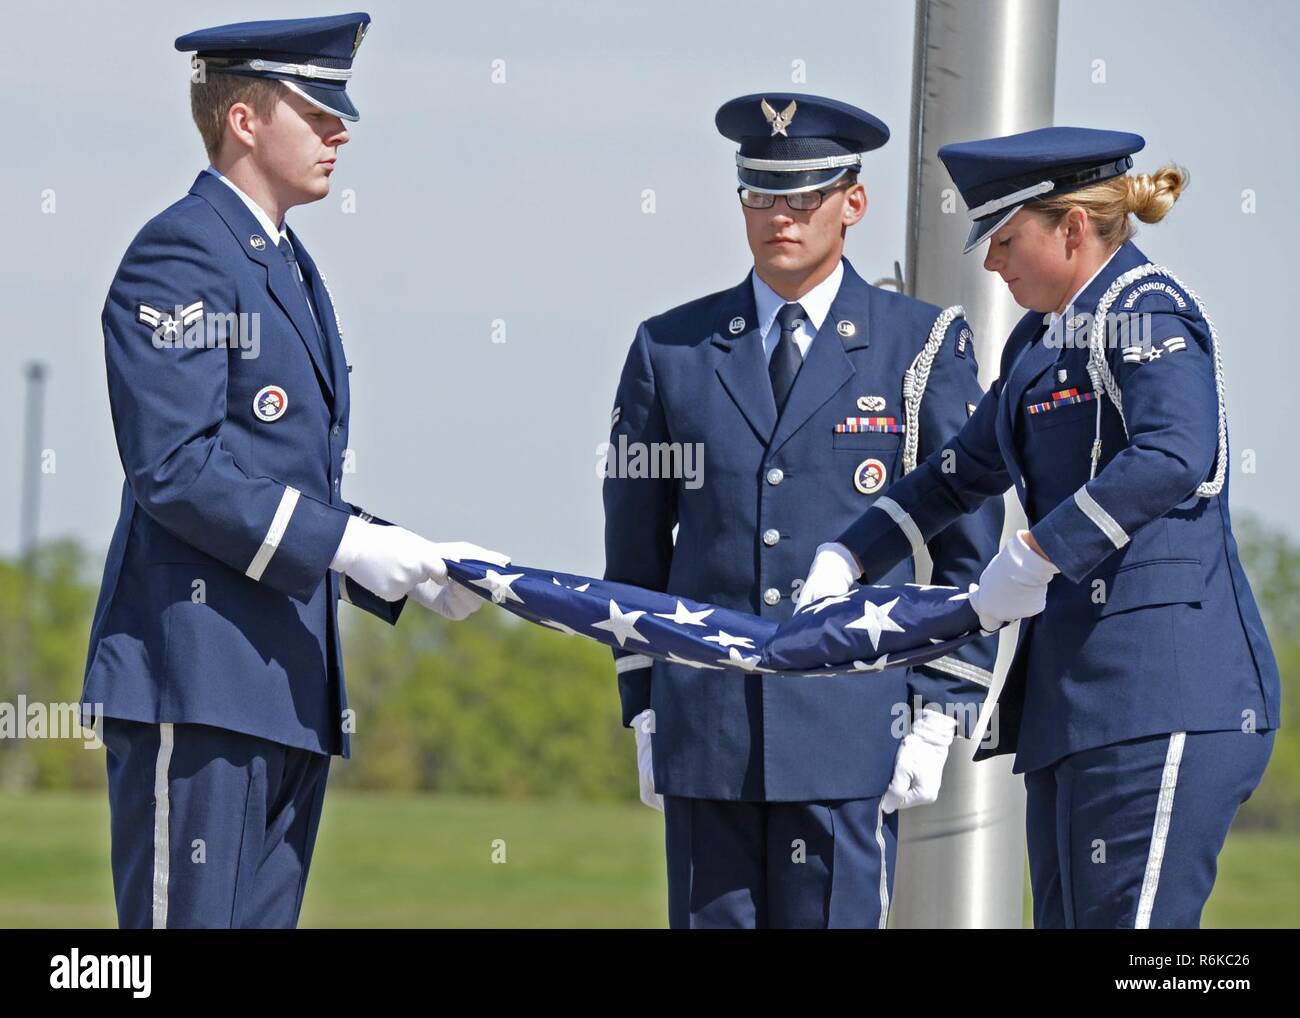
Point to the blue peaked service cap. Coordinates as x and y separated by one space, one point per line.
312 56
791 142
997 176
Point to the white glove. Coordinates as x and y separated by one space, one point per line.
455 551
1013 584
644 725
833 571
918 768
390 561
450 600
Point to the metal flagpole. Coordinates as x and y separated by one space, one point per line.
16 767
981 68
29 515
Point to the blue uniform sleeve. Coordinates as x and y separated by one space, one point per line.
358 596
640 512
959 551
1170 405
955 479
169 405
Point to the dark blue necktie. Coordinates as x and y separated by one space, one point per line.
786 358
286 248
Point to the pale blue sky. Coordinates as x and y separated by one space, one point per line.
522 201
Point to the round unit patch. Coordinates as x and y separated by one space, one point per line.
869 477
270 403
736 326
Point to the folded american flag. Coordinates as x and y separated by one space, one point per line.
866 630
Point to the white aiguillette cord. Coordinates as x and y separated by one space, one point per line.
1104 383
915 380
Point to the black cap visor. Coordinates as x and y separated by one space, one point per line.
775 182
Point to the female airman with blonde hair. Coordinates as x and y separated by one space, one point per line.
1143 695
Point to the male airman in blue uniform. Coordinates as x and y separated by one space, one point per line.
214 652
808 392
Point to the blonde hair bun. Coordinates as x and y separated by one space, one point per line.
1152 195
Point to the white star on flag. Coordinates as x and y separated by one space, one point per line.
498 585
931 586
683 616
825 602
725 639
622 624
875 620
876 666
962 597
738 660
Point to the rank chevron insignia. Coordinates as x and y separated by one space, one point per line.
156 318
1140 353
779 121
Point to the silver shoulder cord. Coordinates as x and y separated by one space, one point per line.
338 326
1103 381
914 382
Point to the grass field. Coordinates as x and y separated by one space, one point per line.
421 860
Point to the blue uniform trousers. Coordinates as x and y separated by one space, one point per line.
210 828
1127 835
748 865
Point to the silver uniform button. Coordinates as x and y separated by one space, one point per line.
771 595
770 537
775 476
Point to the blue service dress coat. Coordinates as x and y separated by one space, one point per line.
218 606
1151 626
769 491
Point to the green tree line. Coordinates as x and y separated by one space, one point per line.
491 705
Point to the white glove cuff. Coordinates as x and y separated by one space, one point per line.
935 727
833 548
644 722
350 546
1029 567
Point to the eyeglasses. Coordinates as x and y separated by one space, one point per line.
802 201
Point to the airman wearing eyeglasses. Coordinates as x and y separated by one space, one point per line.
809 392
